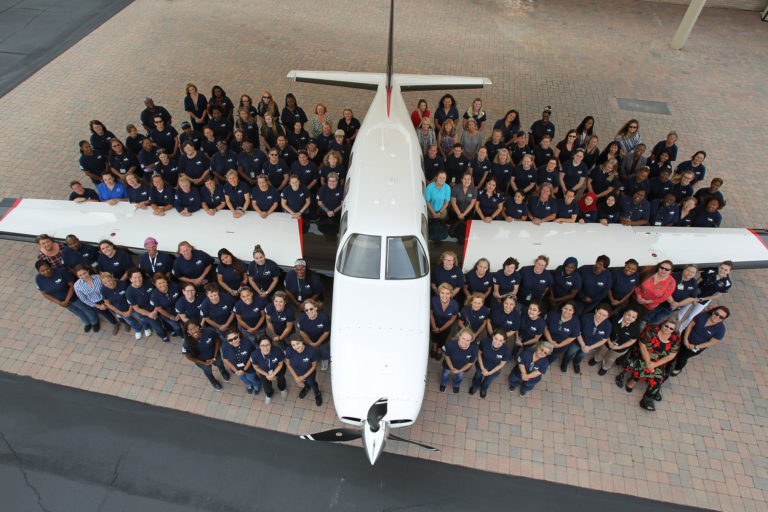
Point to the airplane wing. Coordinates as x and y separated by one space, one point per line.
125 225
355 80
647 244
438 82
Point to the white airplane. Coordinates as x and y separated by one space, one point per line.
380 329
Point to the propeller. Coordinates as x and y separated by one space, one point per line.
398 438
377 411
334 435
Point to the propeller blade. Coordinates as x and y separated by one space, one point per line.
392 436
377 411
334 435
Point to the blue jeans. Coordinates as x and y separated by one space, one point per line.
84 312
174 325
106 314
325 351
132 322
483 382
251 380
156 324
574 353
208 370
446 376
516 379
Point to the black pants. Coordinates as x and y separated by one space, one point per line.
684 355
267 384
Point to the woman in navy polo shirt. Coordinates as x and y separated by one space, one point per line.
474 315
563 327
280 319
164 298
121 160
505 317
236 194
186 200
506 280
447 271
544 207
57 285
531 365
269 363
160 195
624 333
515 207
713 283
137 191
608 211
295 198
596 281
230 272
705 330
188 305
493 356
314 326
302 284
192 265
532 328
236 356
196 105
460 355
624 282
302 363
264 197
114 260
201 346
263 273
193 164
114 292
595 332
709 216
479 280
250 314
442 314
446 110
139 296
489 202
535 280
212 196
217 308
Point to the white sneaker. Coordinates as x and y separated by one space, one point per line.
137 335
284 393
147 333
267 399
324 366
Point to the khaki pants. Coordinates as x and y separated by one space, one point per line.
606 356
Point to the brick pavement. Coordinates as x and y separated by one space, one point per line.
704 446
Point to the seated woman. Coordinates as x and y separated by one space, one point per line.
493 356
460 355
443 312
137 191
110 191
230 272
250 315
658 346
479 280
280 320
212 196
160 196
563 327
705 330
192 265
114 260
264 197
474 315
595 332
301 361
531 365
217 308
164 298
505 317
139 296
314 326
186 200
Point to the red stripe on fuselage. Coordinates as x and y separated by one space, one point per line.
301 236
758 237
466 240
389 98
15 204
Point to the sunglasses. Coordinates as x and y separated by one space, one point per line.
233 339
720 316
634 127
665 268
668 327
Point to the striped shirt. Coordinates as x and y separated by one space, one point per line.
628 145
88 294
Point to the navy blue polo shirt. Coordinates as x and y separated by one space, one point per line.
566 211
268 362
117 296
221 128
480 168
501 320
506 283
590 216
193 267
704 219
220 311
442 317
275 172
545 176
592 333
441 115
263 274
122 163
296 199
287 154
189 200
323 142
251 314
252 162
493 148
493 357
279 319
503 174
189 309
682 191
453 277
240 355
514 210
141 296
306 173
541 156
432 166
532 285
162 263
57 286
148 117
664 215
302 362
594 286
559 330
95 163
134 144
88 193
85 255
305 288
100 143
206 345
529 329
265 199
237 194
564 284
488 204
631 185
573 173
710 284
118 264
701 333
632 211
220 164
147 161
166 300
194 137
661 146
524 177
541 366
459 357
539 209
456 167
194 167
169 171
684 289
166 138
290 117
162 197
517 153
212 199
602 181
297 140
229 276
137 195
699 171
476 283
314 328
474 319
539 130
622 283
331 198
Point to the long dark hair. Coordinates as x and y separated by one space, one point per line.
191 342
582 124
237 265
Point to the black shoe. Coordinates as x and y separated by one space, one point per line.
592 362
472 390
87 328
576 368
318 400
303 392
602 371
620 380
249 390
522 392
224 375
563 367
166 339
456 389
512 388
442 388
216 385
256 391
96 328
483 393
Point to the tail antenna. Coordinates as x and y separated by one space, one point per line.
389 50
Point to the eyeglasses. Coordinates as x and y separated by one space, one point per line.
158 121
668 269
571 136
310 309
273 154
233 339
266 97
193 329
721 317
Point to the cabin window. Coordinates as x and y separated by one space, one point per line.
424 227
346 187
361 257
405 258
343 224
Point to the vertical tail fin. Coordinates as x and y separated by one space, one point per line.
390 57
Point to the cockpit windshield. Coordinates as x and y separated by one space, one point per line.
361 257
405 258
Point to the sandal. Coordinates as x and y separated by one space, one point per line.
675 373
648 406
620 380
657 397
631 388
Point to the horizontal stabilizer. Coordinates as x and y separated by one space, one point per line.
369 81
438 82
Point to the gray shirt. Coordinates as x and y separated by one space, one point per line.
463 199
471 144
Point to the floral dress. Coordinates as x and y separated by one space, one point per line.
657 349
